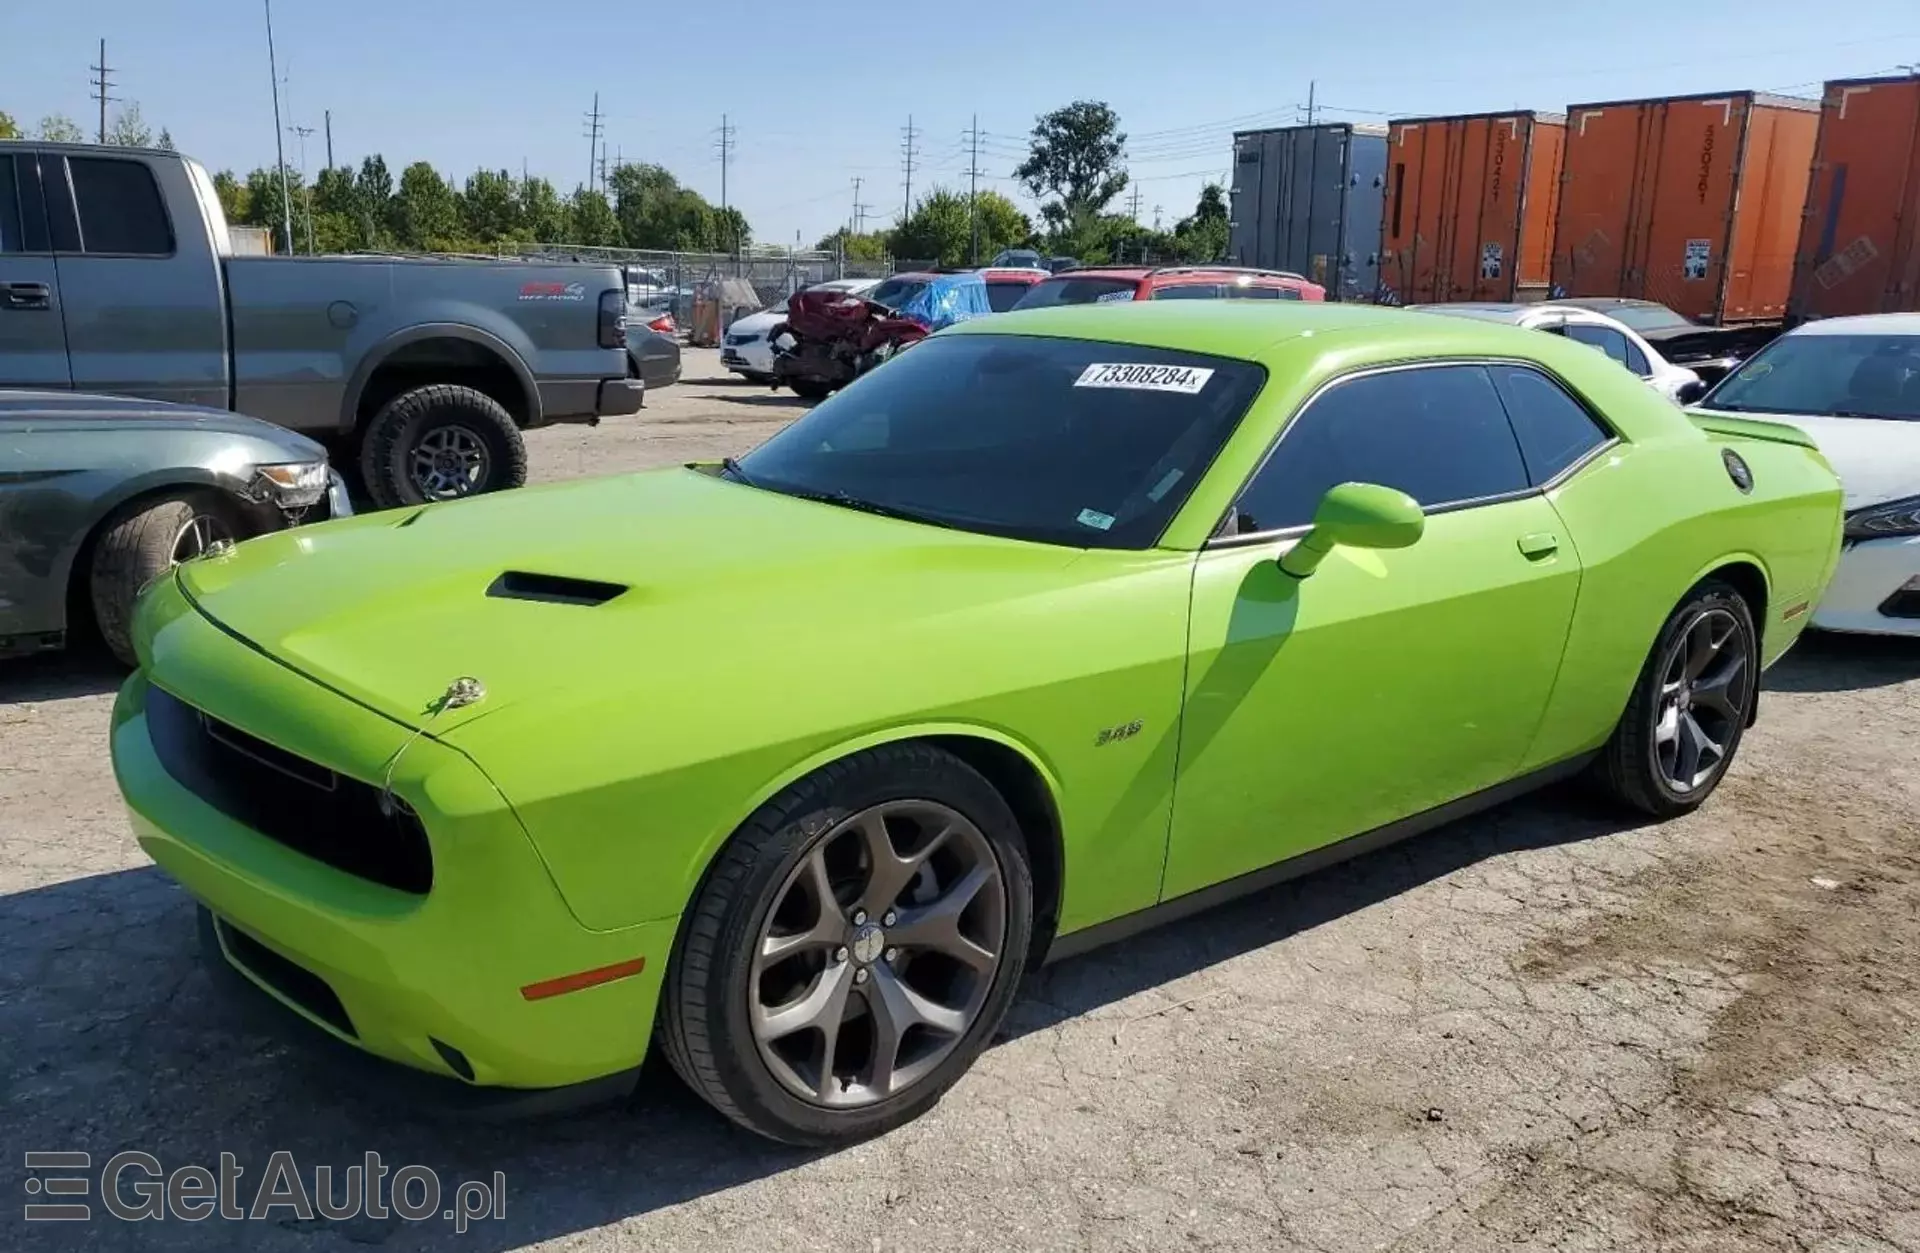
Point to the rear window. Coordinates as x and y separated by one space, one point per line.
1061 441
1188 291
896 292
1077 291
120 208
1004 296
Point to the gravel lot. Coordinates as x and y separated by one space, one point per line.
1537 1029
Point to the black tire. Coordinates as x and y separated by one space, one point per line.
811 389
442 410
704 1021
1630 768
136 546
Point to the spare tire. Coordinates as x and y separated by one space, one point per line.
440 442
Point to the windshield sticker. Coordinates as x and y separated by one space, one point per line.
1758 370
1163 486
1114 297
1185 379
1095 519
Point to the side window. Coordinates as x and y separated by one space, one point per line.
1605 338
1437 433
1553 428
1290 293
120 208
1253 293
1189 291
10 236
1637 361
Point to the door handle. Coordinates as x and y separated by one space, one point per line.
1539 545
26 296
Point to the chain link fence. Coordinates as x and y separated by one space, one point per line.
666 280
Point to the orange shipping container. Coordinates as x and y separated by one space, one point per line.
1470 204
1860 238
1691 201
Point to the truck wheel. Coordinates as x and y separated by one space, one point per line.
141 543
810 389
440 442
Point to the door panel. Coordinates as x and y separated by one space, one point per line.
33 339
1384 685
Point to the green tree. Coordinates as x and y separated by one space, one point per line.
937 232
9 129
656 211
373 201
165 142
58 128
868 246
234 197
1075 157
266 207
542 216
338 224
730 230
128 129
492 209
590 219
1001 225
1203 236
426 211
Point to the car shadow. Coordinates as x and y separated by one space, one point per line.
766 399
1824 661
120 1039
83 670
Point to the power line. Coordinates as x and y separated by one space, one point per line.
595 124
100 83
910 150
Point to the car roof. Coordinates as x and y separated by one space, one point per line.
1492 311
1608 302
1866 324
1133 272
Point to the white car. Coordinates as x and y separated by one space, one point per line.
1596 330
744 348
1854 385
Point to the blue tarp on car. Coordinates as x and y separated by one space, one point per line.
949 298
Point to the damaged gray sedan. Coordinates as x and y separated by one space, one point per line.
101 494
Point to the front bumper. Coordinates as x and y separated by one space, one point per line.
1866 592
755 357
397 975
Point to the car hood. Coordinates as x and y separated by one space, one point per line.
1877 459
78 409
757 323
389 609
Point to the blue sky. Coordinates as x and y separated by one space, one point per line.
817 107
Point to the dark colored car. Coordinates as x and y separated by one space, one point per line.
1006 287
1712 352
101 494
1104 284
653 346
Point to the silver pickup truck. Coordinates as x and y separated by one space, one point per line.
117 275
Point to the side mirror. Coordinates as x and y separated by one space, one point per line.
1359 515
1689 392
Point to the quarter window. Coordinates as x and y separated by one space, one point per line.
1437 433
1553 428
120 208
1188 291
1609 341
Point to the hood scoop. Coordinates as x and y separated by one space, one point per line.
553 589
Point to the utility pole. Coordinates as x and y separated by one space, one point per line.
725 144
301 133
593 140
911 151
1133 205
973 192
859 209
279 143
100 84
329 122
1312 113
1157 211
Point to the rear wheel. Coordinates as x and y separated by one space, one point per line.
440 442
142 543
1689 708
853 948
810 389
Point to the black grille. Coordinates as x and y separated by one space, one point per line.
295 982
288 799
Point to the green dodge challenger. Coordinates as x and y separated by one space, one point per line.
1059 624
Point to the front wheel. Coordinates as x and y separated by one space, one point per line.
810 389
853 948
1689 708
440 442
141 543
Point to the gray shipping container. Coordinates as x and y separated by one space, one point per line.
1308 199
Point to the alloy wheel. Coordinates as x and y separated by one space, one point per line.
201 532
450 461
878 954
1704 690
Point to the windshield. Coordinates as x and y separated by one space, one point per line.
1077 291
1060 441
1849 376
1020 259
896 292
1644 318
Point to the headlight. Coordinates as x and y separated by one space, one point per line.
1896 517
292 484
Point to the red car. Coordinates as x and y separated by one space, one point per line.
1006 287
1181 282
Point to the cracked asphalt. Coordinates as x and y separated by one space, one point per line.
1538 1029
